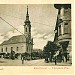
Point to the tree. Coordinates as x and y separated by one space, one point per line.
50 48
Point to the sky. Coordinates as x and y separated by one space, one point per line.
43 20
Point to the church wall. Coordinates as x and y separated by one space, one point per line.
18 48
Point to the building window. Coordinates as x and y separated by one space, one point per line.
29 30
26 29
17 49
11 48
6 49
66 12
2 50
65 28
60 30
27 48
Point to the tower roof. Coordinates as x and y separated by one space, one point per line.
27 17
27 10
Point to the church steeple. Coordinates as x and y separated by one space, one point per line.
27 10
27 26
27 17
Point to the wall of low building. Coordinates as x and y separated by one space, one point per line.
18 48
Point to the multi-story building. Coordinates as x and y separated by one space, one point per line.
63 27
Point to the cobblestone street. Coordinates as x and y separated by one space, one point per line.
39 62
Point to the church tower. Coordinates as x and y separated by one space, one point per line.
27 26
27 33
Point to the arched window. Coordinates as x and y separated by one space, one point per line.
26 29
2 50
6 49
17 49
11 48
27 48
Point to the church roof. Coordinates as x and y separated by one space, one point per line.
14 40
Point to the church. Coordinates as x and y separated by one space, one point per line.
21 43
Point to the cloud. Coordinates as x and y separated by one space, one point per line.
1 39
13 32
40 40
39 43
39 35
42 17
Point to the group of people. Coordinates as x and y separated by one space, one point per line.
59 58
47 60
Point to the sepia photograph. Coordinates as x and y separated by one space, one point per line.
35 35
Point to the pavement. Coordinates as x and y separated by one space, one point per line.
39 62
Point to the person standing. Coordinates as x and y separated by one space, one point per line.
55 60
22 58
63 58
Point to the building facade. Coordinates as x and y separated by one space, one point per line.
63 27
21 43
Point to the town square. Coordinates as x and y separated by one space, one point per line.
35 35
